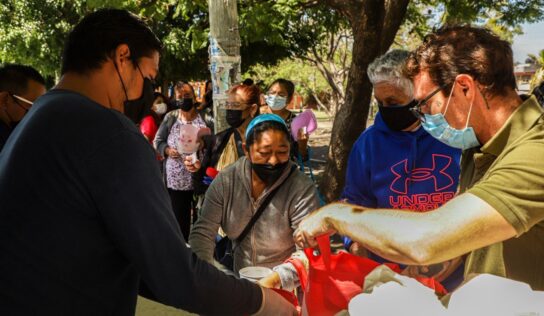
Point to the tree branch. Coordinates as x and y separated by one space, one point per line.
327 74
395 12
346 8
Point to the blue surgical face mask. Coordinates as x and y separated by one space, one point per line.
438 127
275 102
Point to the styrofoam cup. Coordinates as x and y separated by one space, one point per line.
254 274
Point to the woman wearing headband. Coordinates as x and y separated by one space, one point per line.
240 189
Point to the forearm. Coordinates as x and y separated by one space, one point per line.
460 226
204 231
388 233
202 242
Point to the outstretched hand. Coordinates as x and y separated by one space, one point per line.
314 225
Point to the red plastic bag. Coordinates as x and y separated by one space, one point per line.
433 284
333 280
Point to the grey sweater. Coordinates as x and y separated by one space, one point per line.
229 205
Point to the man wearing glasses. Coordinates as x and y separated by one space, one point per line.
19 87
466 92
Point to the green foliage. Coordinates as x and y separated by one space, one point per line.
33 31
305 76
511 12
538 60
502 17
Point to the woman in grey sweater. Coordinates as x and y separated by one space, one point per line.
237 192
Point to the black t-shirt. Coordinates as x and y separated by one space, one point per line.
84 214
5 131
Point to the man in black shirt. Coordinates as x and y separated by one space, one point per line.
84 214
19 86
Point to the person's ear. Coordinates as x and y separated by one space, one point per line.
122 57
466 85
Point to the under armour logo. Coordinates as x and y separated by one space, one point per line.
442 180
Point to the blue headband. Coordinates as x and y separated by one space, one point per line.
264 118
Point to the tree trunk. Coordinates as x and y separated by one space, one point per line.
374 25
224 55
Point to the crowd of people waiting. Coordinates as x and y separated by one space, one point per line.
98 202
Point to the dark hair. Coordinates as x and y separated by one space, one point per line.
252 93
463 49
255 133
287 85
248 82
160 95
94 39
14 78
181 83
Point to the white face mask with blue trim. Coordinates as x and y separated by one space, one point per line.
437 126
275 102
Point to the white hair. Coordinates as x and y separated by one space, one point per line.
388 69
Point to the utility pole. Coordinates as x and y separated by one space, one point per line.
224 53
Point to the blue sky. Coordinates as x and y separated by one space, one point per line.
531 42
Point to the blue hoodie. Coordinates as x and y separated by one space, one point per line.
400 170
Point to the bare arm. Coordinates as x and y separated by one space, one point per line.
460 226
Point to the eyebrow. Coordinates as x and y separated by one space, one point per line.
268 146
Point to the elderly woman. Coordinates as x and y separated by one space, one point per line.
240 189
396 164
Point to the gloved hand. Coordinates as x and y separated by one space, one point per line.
275 305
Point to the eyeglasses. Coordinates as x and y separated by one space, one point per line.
416 110
16 97
233 105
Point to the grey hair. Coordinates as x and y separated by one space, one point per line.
388 69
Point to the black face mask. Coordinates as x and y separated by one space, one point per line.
139 108
398 117
269 173
185 104
234 118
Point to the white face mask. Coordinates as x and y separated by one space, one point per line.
439 128
275 102
160 108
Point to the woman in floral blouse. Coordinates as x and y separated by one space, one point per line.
178 179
